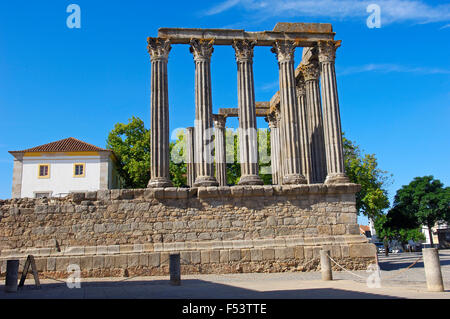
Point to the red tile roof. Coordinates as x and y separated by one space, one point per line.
66 145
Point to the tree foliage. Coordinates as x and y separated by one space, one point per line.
363 169
131 144
424 201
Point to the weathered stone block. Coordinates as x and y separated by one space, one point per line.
214 256
268 254
98 262
62 263
164 257
256 254
224 256
154 259
86 262
113 249
109 262
195 257
235 254
353 229
133 260
204 256
121 261
362 250
324 230
246 255
51 264
309 253
143 260
338 229
345 251
299 252
185 257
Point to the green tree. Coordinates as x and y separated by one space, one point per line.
131 144
397 225
426 201
384 231
363 169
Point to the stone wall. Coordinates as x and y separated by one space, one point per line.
216 229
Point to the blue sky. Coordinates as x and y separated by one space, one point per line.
56 82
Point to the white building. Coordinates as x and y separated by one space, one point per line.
440 233
62 167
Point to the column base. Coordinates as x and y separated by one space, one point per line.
250 180
337 178
159 182
294 179
204 181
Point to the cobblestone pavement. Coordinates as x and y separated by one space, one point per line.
396 282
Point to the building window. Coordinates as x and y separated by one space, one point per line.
44 171
79 170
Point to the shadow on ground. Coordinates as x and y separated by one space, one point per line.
190 289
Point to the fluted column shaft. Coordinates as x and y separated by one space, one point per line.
190 166
159 172
248 142
305 156
289 113
220 149
274 148
331 114
318 169
204 168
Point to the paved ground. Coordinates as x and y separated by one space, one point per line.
395 283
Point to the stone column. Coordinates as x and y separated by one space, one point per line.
318 169
159 172
274 148
190 166
292 171
17 175
204 161
220 147
305 156
248 142
105 182
331 114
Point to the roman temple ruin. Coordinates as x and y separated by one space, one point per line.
249 227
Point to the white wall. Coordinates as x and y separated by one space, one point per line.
61 175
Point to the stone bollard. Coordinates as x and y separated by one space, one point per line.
325 265
175 269
433 270
12 274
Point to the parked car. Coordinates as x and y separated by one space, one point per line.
380 247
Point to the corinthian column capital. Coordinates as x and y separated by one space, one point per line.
301 90
202 49
311 71
327 50
284 50
272 120
219 120
158 48
244 50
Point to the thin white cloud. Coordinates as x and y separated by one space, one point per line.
228 4
445 26
390 68
415 11
269 86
